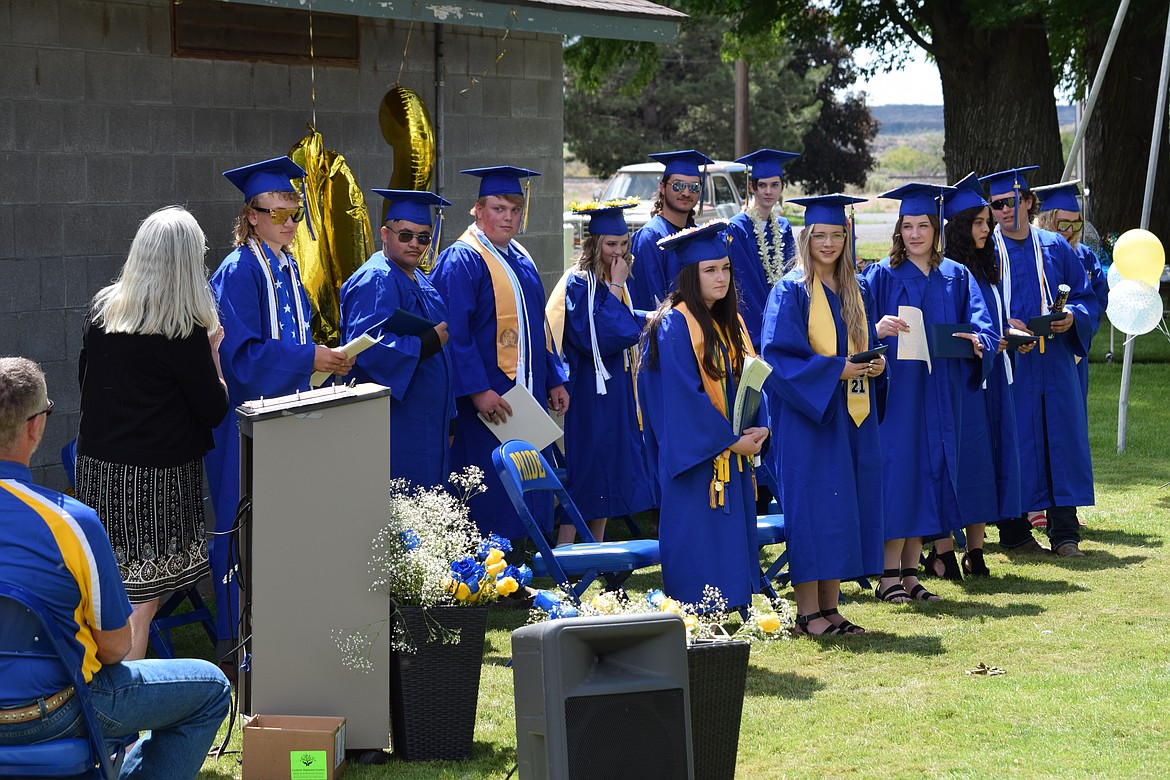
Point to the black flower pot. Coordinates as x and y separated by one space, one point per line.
434 691
717 671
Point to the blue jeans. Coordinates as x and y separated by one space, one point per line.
180 702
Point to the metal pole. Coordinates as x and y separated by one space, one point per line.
1098 80
741 108
440 119
1147 205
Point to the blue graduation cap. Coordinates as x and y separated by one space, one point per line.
1007 181
1063 196
269 176
682 163
694 245
608 218
766 163
968 194
501 180
826 209
918 198
411 205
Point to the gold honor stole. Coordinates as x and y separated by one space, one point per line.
507 322
716 389
822 337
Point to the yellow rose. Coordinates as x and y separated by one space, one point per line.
670 605
690 622
494 569
494 556
506 586
448 584
462 592
769 623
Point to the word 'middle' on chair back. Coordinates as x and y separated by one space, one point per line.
28 635
522 470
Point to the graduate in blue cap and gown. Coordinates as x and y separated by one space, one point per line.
762 249
267 349
1060 212
693 351
922 425
605 455
1056 469
498 339
825 410
989 458
410 361
679 192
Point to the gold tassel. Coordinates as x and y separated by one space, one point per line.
524 221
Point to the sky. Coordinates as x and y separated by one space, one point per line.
917 82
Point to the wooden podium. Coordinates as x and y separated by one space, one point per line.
317 466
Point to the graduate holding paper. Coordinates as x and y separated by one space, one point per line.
826 409
498 339
921 429
412 363
267 349
693 351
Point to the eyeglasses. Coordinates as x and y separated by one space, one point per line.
46 411
404 236
679 186
1065 225
832 238
281 215
1003 203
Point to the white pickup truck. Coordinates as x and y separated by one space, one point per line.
723 195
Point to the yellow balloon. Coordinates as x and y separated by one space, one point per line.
1139 255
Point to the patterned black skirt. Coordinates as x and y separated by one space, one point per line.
154 518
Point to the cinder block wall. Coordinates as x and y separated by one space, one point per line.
100 125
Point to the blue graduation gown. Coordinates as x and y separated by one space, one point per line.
254 364
989 456
921 428
604 452
465 283
830 469
751 281
1051 415
1099 284
699 545
422 403
648 276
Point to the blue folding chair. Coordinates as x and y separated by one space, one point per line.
770 530
165 619
29 633
523 470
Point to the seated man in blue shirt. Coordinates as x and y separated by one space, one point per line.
56 547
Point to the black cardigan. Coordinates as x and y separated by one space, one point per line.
148 400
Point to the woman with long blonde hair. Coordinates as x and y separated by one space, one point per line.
151 393
825 408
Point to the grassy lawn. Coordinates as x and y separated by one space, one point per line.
1086 689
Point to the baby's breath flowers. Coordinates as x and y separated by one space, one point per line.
430 554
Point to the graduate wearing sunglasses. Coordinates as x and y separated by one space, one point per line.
411 362
679 192
267 349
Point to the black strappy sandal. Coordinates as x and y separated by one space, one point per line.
801 626
974 564
919 593
895 594
844 627
951 570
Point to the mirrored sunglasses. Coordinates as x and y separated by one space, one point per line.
1065 225
679 186
281 215
404 237
1002 203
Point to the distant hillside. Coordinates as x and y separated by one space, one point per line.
915 119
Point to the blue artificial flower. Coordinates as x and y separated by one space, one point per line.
546 600
656 599
525 577
563 611
513 572
467 571
410 539
492 542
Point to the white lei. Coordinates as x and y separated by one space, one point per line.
771 255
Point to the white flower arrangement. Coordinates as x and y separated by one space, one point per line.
430 554
705 620
771 254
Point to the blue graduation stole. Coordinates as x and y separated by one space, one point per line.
286 285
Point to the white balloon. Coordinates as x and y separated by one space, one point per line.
1114 276
1134 307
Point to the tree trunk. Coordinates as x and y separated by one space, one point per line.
1117 142
998 108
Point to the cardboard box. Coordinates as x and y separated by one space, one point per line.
293 747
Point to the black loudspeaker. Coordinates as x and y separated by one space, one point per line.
602 698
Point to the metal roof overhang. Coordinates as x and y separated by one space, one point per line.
588 18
